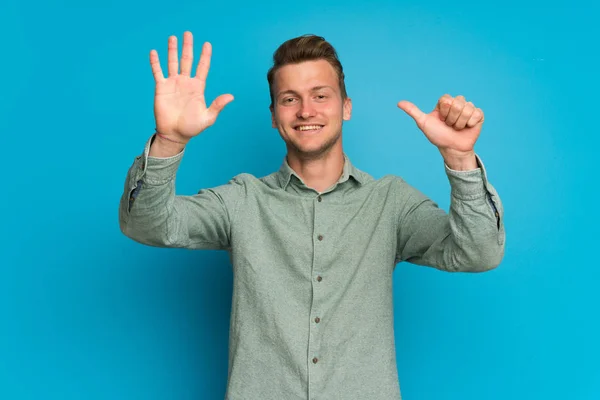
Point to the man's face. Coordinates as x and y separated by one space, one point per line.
308 109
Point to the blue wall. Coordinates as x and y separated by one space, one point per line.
86 313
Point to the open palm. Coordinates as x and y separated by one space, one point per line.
180 107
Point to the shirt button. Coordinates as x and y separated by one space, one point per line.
315 360
320 237
320 199
319 278
317 320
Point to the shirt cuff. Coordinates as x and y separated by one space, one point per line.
156 170
468 185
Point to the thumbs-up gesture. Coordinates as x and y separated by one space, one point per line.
453 127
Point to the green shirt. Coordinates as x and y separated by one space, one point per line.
312 311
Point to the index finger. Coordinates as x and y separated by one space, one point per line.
204 63
443 105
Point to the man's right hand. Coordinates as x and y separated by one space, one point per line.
179 104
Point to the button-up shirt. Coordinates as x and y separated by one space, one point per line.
312 310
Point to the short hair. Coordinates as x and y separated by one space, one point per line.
306 48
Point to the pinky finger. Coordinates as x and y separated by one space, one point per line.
155 64
476 118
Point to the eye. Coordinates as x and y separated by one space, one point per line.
288 100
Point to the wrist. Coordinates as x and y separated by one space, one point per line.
162 146
460 160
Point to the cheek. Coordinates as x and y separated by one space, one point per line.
333 115
285 116
331 110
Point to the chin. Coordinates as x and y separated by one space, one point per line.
315 149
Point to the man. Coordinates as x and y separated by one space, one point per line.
313 245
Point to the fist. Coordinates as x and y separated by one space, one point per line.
458 113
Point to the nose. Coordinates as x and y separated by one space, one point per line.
306 110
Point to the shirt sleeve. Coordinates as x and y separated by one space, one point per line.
151 213
469 238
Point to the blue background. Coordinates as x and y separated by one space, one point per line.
86 313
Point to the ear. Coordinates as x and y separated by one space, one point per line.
273 124
347 109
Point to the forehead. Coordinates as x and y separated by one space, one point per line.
304 76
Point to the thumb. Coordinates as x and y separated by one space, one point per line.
218 104
413 111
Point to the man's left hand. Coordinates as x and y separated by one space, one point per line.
453 126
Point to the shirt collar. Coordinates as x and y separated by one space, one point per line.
286 172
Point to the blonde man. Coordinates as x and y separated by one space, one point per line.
314 244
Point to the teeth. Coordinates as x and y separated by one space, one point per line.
308 127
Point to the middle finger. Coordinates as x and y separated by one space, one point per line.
187 54
455 110
172 62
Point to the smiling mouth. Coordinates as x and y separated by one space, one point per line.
309 128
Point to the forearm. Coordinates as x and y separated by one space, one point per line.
469 238
476 227
148 197
151 213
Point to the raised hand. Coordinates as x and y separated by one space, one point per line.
179 105
453 126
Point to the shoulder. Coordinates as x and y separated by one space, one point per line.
396 188
366 179
270 181
252 182
388 180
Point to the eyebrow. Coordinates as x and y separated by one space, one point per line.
314 89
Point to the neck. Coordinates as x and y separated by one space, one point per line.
321 172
